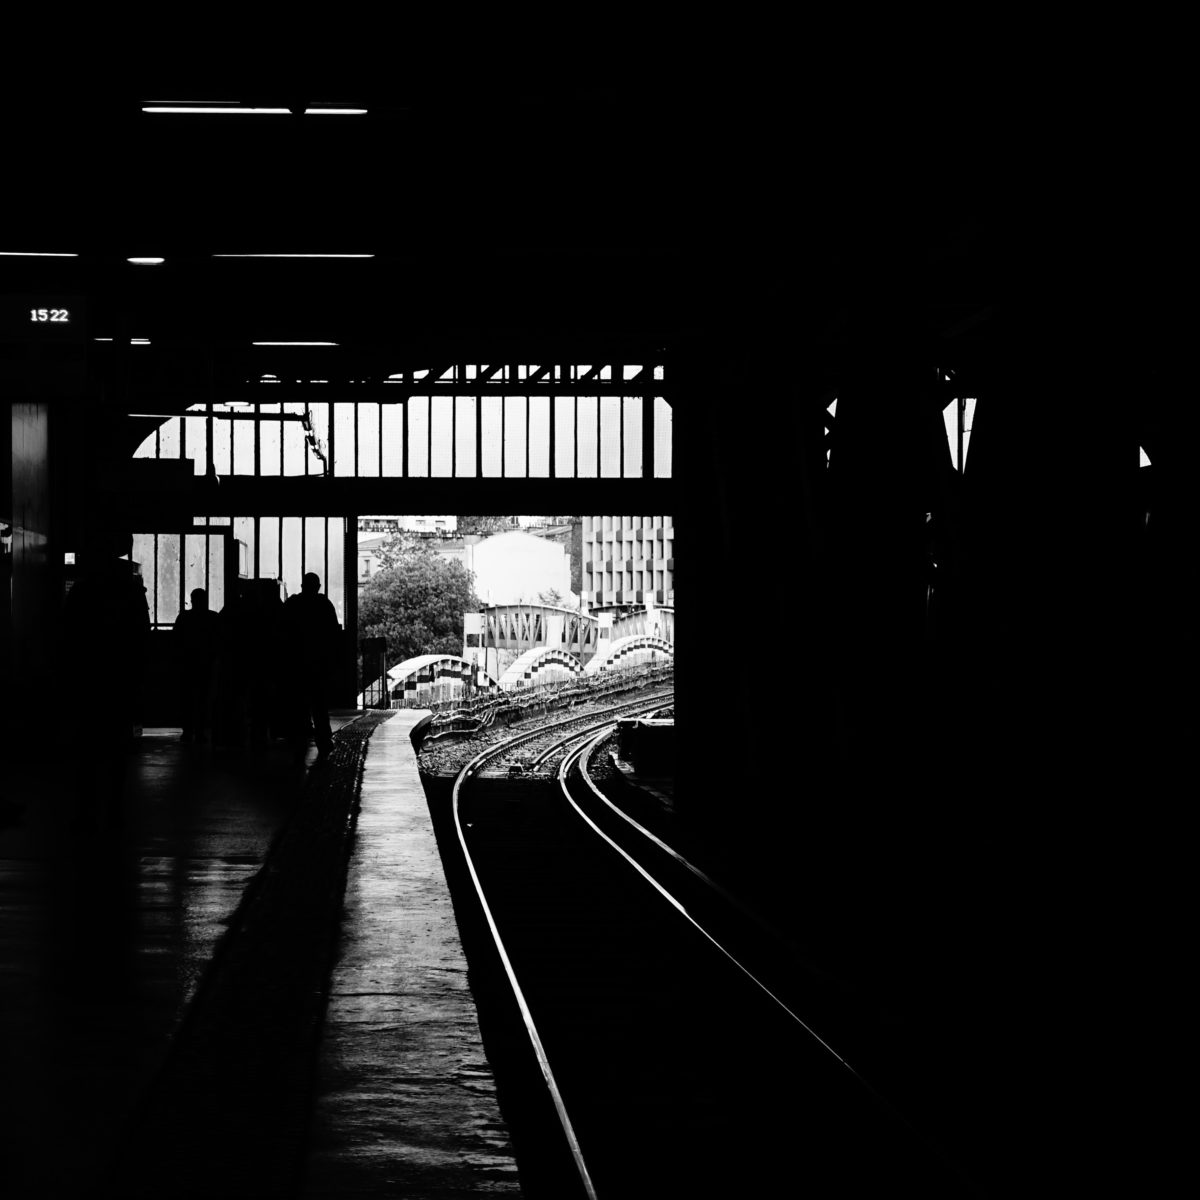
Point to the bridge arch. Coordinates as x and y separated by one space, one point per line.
631 651
542 664
433 678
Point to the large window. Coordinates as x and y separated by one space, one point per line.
443 432
222 550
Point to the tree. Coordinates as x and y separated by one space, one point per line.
552 597
417 604
485 525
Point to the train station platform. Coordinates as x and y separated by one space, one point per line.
247 987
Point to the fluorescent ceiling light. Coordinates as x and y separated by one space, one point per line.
212 108
139 341
35 254
293 256
146 262
338 112
293 343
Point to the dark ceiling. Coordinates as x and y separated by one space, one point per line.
651 204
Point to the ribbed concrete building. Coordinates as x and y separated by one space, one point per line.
628 560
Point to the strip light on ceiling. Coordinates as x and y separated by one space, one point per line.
35 254
293 256
210 109
293 343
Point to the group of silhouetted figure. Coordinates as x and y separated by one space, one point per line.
258 671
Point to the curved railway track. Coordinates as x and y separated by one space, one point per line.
666 1025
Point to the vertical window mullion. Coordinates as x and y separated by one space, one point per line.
405 439
648 403
553 428
621 427
478 437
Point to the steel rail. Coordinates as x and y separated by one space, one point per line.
574 757
531 1031
605 724
563 771
535 1042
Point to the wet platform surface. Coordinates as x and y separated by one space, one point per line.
107 934
406 1103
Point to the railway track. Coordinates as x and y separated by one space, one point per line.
667 1034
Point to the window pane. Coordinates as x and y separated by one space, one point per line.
539 436
196 434
418 436
343 439
268 550
294 451
243 447
443 437
167 576
586 409
319 415
515 418
243 531
292 565
314 546
610 436
195 566
564 437
168 439
663 414
148 447
493 436
465 434
335 586
143 555
368 440
270 438
216 573
632 417
222 446
393 439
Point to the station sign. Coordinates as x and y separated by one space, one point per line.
41 317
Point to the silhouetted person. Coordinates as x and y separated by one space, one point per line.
197 638
107 627
311 631
243 666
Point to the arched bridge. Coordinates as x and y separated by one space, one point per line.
518 628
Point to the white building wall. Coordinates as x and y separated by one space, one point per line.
515 567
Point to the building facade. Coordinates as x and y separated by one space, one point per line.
628 561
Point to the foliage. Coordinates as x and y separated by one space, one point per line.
552 597
417 603
485 525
